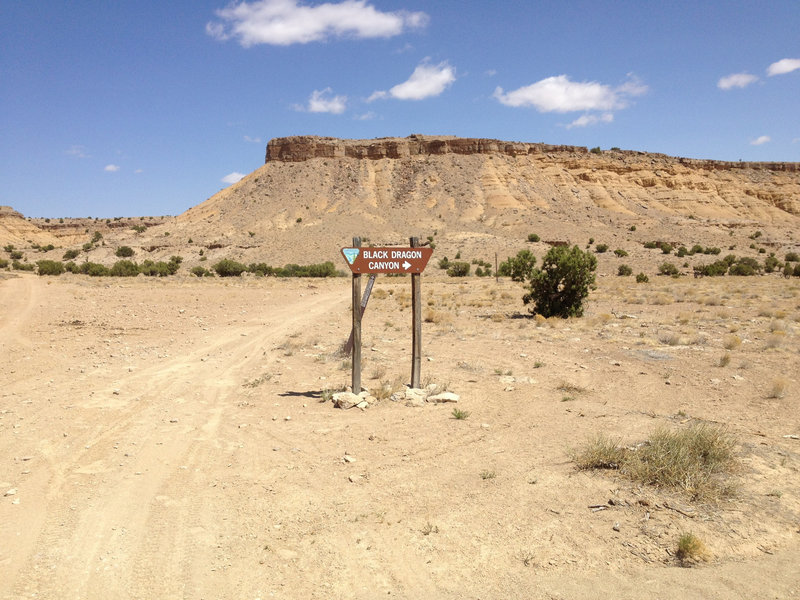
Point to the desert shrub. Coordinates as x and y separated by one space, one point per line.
46 248
715 269
710 250
600 452
326 269
796 271
97 237
682 251
229 268
199 271
519 267
624 271
124 268
15 255
561 286
667 268
94 269
691 549
771 264
8 247
150 268
744 267
696 249
50 267
596 150
458 269
124 252
620 252
792 257
443 263
70 254
601 248
3 263
642 278
71 267
666 247
632 228
260 269
651 245
533 238
20 266
730 259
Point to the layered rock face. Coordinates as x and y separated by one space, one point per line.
302 148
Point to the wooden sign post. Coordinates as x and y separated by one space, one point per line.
390 259
356 364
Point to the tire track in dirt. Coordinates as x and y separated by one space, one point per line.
118 510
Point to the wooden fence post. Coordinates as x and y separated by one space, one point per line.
416 335
356 365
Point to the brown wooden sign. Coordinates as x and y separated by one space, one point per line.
387 260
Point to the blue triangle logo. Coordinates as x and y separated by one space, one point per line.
351 254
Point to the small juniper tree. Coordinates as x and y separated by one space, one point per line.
519 267
560 287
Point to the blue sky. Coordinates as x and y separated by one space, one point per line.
150 107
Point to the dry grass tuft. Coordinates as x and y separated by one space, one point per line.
724 360
695 460
730 342
691 549
778 387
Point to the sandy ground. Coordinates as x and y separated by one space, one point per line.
169 439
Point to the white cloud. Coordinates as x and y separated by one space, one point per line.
761 140
560 94
427 80
232 177
322 101
783 66
111 168
286 22
367 116
254 140
77 151
137 171
737 80
588 119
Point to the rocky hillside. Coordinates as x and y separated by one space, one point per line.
314 194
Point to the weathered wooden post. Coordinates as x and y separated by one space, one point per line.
356 364
416 312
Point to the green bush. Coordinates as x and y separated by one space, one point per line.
642 278
259 269
124 252
711 250
158 269
792 257
651 245
667 268
682 251
596 150
19 266
16 255
46 248
624 271
124 268
519 268
70 254
601 248
458 269
229 268
771 264
632 228
94 269
443 263
562 285
620 252
745 266
139 228
50 267
533 238
201 272
3 263
8 247
696 249
666 247
796 271
715 269
97 237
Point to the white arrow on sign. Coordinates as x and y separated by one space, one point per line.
406 265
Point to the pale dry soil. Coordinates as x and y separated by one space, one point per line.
171 439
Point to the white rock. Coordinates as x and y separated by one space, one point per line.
345 400
11 492
444 397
